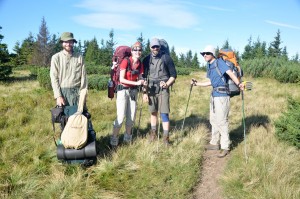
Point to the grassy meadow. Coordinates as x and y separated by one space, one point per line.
261 167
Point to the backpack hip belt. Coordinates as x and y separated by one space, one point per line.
221 89
121 87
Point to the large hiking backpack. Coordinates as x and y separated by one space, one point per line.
164 47
230 59
121 53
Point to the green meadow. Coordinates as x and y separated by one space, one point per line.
259 165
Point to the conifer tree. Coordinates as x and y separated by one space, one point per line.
42 48
274 48
5 68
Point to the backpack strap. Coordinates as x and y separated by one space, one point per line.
219 72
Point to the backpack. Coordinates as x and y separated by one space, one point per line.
121 53
164 47
75 133
230 59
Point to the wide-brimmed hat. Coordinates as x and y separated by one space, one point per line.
67 36
209 49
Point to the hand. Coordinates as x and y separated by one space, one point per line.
60 101
194 82
140 82
241 86
163 84
145 98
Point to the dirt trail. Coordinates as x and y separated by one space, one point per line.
212 169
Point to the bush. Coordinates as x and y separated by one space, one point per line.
5 71
288 125
184 71
43 77
98 82
97 69
278 68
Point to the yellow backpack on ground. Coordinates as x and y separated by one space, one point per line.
75 133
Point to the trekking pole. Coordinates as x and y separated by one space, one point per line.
186 109
159 115
247 86
141 108
244 126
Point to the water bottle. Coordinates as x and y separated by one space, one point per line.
110 89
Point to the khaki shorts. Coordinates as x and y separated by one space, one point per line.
159 102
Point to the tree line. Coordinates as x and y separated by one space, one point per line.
37 51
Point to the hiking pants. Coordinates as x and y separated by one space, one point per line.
219 111
125 107
71 96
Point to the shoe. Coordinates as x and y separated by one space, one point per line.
166 140
223 153
114 141
127 139
152 135
212 147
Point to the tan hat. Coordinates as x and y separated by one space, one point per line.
67 36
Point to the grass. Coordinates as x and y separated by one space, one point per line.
29 167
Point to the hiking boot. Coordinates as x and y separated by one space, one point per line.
152 135
127 138
223 153
212 147
166 140
114 141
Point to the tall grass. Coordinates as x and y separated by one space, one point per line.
29 167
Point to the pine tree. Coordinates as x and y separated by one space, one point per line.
42 49
274 48
26 50
248 50
5 68
195 61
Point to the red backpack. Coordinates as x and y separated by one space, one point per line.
121 53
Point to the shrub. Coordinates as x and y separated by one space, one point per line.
184 71
288 125
97 69
5 71
43 77
98 82
280 69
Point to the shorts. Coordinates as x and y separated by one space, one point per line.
159 102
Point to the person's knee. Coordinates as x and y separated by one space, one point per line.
165 117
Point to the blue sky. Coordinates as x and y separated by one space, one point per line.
185 24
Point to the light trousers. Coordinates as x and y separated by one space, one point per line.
219 111
126 107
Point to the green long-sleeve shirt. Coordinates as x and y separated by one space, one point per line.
67 71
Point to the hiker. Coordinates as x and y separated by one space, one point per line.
127 92
219 101
160 73
67 72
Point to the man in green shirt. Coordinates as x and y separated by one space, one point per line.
67 72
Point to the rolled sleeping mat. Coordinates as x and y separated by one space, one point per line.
88 151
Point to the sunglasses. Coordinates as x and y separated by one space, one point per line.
155 47
206 53
139 50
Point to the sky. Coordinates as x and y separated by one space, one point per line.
184 24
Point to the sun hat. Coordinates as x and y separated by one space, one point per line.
154 42
67 36
209 49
